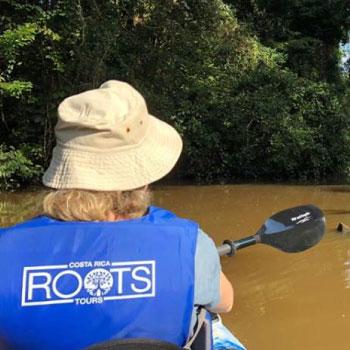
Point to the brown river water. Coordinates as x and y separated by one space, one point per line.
282 301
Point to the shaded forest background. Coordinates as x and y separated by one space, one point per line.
255 87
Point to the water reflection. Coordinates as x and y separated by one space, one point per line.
17 207
336 212
339 189
347 270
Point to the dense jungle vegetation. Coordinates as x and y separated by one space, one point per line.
255 87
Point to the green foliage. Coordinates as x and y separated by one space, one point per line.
18 207
16 88
248 106
16 168
11 41
272 126
297 128
307 31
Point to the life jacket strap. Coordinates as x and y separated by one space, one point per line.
200 321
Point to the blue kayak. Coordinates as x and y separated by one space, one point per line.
223 339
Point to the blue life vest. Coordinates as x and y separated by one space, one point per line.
67 285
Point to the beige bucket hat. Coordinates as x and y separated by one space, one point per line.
107 141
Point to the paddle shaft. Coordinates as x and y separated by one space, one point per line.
229 247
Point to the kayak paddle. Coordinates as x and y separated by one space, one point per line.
291 230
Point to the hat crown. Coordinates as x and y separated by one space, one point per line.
107 141
113 116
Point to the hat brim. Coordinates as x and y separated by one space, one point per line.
117 170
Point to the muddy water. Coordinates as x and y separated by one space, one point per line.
282 301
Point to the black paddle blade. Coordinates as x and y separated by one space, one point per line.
294 230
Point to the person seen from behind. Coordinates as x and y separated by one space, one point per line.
102 263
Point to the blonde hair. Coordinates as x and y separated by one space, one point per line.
87 205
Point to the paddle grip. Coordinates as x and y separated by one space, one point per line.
227 248
230 247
